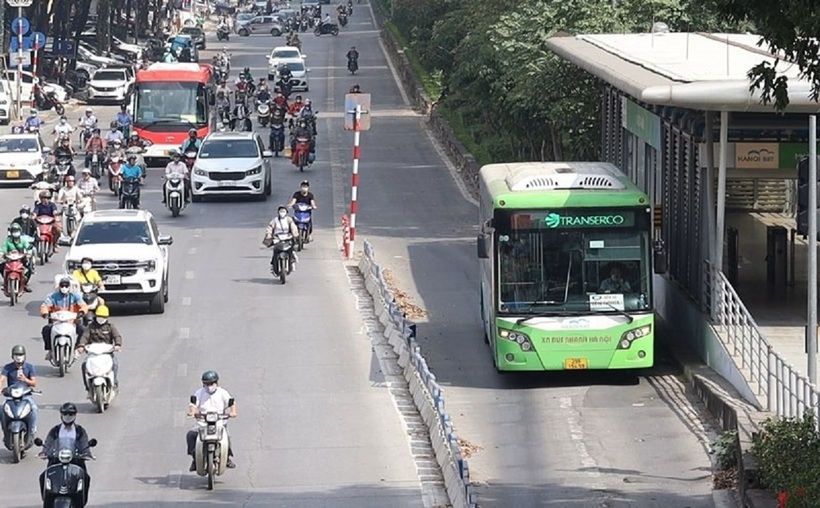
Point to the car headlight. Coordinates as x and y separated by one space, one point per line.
254 171
522 339
3 102
72 265
629 336
34 162
200 172
151 266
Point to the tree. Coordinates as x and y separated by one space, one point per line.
790 27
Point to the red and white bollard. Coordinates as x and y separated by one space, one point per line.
346 236
354 190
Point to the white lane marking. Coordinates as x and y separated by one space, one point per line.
576 434
175 479
451 168
198 232
395 74
189 274
186 301
192 251
182 370
184 333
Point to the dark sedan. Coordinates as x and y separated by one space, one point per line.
197 35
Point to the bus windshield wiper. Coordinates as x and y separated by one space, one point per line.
629 319
565 313
164 121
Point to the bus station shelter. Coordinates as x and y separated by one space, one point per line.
678 116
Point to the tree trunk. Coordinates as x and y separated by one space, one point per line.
104 25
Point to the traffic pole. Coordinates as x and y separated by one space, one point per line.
354 189
34 69
20 63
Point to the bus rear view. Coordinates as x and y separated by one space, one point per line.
170 100
565 261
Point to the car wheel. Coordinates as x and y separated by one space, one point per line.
83 75
268 188
157 304
165 290
243 33
307 89
276 32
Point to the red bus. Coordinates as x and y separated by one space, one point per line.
169 100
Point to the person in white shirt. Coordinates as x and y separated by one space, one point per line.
114 134
62 129
211 398
89 187
177 166
70 193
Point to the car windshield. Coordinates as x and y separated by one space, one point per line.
295 66
285 53
229 149
109 76
18 145
192 30
114 232
245 16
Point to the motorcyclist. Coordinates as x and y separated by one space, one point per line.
282 224
86 274
177 166
245 75
296 106
293 40
285 72
58 434
64 151
46 207
191 144
355 89
70 193
63 130
34 123
341 9
240 113
308 115
20 372
88 121
223 104
115 149
16 242
26 222
211 398
223 88
62 299
302 130
326 20
90 187
262 94
101 331
303 195
130 170
134 141
124 120
114 134
353 54
94 144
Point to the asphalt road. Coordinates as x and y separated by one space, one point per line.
317 426
589 440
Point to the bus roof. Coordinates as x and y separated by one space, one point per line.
200 73
559 184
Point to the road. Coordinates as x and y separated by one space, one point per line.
317 426
535 440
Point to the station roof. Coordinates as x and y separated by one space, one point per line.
700 71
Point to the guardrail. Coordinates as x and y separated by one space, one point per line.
779 384
426 392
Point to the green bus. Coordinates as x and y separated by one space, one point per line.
565 253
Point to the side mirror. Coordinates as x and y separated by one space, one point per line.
193 399
64 241
267 153
307 70
38 441
483 246
231 402
165 240
46 149
659 258
92 442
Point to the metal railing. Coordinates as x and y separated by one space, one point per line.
779 385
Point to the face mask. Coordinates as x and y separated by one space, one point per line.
211 389
18 359
15 234
62 121
102 320
86 266
24 216
282 215
304 190
68 419
64 290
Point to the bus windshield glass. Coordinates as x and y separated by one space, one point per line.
566 263
170 105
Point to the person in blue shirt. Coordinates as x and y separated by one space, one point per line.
34 122
20 372
48 208
191 144
124 120
131 170
62 299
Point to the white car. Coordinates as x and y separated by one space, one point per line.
232 163
5 103
10 81
299 74
279 54
22 157
129 253
111 84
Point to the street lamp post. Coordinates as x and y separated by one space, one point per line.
20 32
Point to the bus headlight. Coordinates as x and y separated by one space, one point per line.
522 339
628 337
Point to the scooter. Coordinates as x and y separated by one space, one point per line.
92 300
86 134
342 17
130 195
99 374
263 112
14 280
301 156
65 483
96 164
277 138
223 34
282 247
212 444
18 411
326 28
70 218
63 338
175 193
302 215
114 183
352 65
45 242
63 165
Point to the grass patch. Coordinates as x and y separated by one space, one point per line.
465 135
430 82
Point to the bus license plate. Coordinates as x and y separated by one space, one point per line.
576 364
12 174
114 280
227 183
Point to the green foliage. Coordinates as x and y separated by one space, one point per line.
725 450
788 455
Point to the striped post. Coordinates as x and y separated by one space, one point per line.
354 190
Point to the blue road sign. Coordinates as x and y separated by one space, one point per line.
14 43
39 39
16 28
65 48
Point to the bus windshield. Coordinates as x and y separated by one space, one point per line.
170 105
573 270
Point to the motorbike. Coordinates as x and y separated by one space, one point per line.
263 112
349 7
212 444
114 183
17 410
85 135
91 299
96 164
48 100
63 338
62 167
190 158
45 242
302 215
285 86
303 25
14 279
70 214
326 28
60 136
352 65
138 151
342 18
65 483
302 153
223 33
130 194
99 374
277 138
282 252
175 193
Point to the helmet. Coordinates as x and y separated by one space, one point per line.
123 107
132 157
282 207
69 178
210 376
135 135
114 125
307 101
69 408
18 350
246 70
15 227
45 194
102 311
304 183
175 153
65 282
298 98
117 142
86 171
25 209
89 110
192 132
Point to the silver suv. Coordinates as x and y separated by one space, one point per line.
262 25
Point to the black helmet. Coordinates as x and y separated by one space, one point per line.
304 183
282 207
69 408
192 132
210 376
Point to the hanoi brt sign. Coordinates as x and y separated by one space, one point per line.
757 155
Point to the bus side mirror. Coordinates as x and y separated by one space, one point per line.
659 258
483 246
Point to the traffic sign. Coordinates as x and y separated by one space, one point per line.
20 25
24 59
38 40
351 101
64 48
